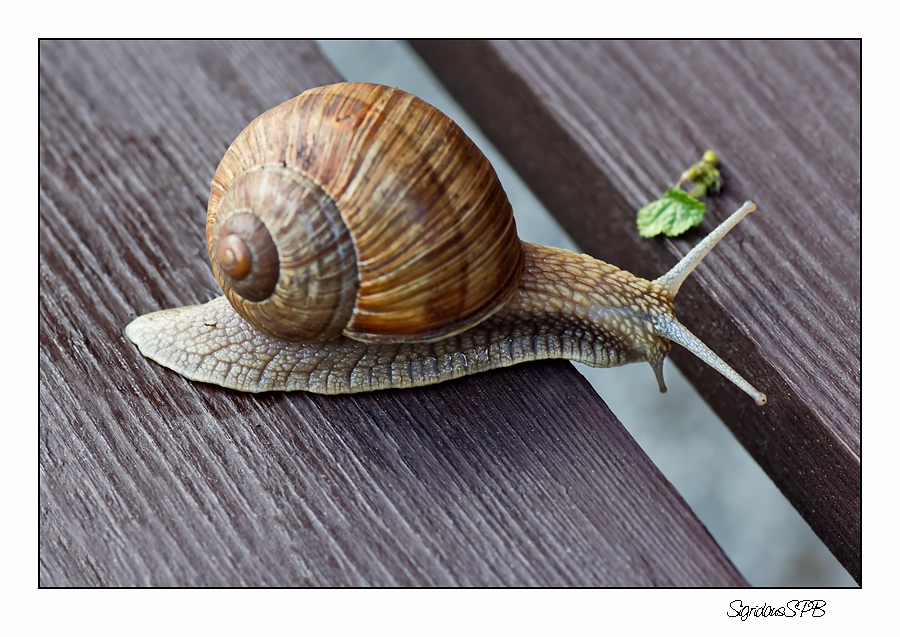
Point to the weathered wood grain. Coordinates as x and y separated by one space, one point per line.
598 129
521 477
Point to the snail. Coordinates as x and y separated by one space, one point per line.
364 242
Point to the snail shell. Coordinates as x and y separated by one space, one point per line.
362 210
366 243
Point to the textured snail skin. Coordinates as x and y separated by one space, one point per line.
363 242
567 306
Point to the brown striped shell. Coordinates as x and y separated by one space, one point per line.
360 209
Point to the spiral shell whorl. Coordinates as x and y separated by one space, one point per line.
300 281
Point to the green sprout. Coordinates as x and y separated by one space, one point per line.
678 211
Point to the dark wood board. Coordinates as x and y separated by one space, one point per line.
598 129
518 477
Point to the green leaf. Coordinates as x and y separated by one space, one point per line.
672 215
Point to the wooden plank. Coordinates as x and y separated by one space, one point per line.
597 129
519 477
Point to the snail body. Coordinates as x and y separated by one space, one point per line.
364 242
